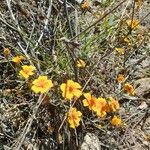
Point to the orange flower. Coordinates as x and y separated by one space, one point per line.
139 3
90 101
133 24
6 52
81 63
17 59
113 104
85 5
129 89
27 71
71 89
116 121
41 84
102 107
120 51
74 117
120 78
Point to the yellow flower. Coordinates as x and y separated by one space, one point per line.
6 51
120 78
71 89
127 41
81 63
17 59
90 101
116 121
113 104
41 84
74 117
129 89
101 107
27 71
133 24
139 3
121 51
85 5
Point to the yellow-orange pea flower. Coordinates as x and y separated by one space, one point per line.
27 71
116 121
74 117
41 84
129 89
120 51
17 59
81 63
133 24
6 52
120 78
90 101
113 104
101 107
71 89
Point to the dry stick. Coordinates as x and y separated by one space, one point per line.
67 17
28 44
45 24
134 114
73 61
45 27
7 24
29 123
133 10
12 15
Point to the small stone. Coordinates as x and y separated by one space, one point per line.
91 142
143 105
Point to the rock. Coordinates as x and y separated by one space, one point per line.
143 87
143 105
91 142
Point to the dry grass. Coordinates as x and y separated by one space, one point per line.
52 36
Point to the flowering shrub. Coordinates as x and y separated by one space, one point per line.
67 68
